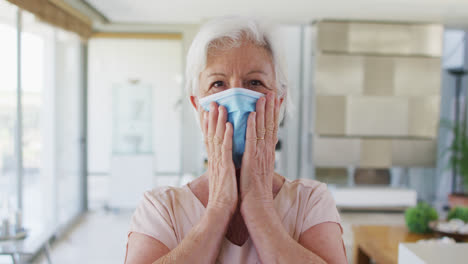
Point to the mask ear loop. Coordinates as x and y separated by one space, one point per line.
197 117
286 107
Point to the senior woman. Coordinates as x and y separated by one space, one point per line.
239 210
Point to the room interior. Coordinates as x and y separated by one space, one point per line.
93 112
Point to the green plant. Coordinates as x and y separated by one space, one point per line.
459 149
459 213
418 218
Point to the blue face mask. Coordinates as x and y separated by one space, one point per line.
239 102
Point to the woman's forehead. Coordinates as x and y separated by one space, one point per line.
246 58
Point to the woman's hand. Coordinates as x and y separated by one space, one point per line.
258 162
221 171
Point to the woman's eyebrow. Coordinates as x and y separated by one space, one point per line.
256 71
216 73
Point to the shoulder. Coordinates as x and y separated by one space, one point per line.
307 188
306 195
313 192
163 193
166 196
306 183
154 215
314 202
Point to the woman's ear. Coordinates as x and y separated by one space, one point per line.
194 101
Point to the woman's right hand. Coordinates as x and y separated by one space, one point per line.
218 133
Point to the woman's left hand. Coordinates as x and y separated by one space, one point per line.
258 162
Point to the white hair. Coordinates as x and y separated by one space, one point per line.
229 32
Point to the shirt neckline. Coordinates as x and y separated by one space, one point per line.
204 208
248 241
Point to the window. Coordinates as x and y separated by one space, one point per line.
38 109
67 119
50 116
51 82
8 98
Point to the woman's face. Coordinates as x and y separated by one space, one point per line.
247 66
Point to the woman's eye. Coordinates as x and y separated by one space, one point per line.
218 84
255 82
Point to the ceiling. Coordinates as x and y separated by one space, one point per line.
449 12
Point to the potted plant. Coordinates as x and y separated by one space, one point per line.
458 161
458 213
418 218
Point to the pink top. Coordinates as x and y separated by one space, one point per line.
168 213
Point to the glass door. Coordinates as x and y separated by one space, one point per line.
38 109
8 108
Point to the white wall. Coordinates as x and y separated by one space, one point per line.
154 62
294 160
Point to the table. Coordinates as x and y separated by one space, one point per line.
434 253
28 246
380 243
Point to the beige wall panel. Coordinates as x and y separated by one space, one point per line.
378 76
336 152
332 36
379 38
339 74
411 153
331 113
376 153
417 76
427 39
377 116
424 116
